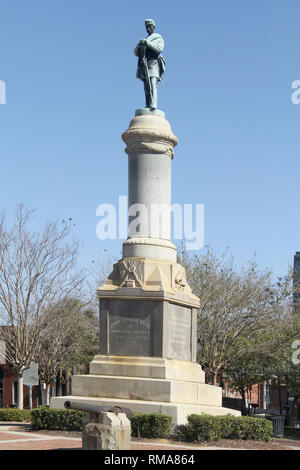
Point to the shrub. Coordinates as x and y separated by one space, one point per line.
202 428
228 425
14 414
54 419
205 427
247 427
155 425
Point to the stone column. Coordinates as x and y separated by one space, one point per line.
150 142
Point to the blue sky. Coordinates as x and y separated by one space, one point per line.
70 71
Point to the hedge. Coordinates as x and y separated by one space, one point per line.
14 414
199 428
54 419
155 425
205 427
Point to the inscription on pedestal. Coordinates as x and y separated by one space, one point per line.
179 333
126 329
150 328
130 327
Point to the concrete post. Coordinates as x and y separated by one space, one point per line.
106 431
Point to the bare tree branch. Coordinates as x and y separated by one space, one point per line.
37 271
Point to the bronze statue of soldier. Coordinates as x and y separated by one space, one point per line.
151 65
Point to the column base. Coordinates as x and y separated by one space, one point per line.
150 248
147 385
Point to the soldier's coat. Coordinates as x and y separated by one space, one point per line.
155 45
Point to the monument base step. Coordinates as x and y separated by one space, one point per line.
178 411
150 367
144 388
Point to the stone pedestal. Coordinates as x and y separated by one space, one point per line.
147 309
148 314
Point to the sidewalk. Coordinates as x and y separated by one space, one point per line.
18 436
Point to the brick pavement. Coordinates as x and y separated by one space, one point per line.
17 436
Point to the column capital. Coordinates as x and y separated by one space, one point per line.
150 133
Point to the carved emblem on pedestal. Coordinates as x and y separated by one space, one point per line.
131 273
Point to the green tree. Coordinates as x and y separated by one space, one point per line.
234 304
287 367
86 341
255 359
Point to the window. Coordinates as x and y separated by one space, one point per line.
15 392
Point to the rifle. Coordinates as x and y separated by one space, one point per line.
145 63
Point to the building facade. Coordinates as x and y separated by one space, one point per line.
9 389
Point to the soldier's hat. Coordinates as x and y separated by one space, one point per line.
150 21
